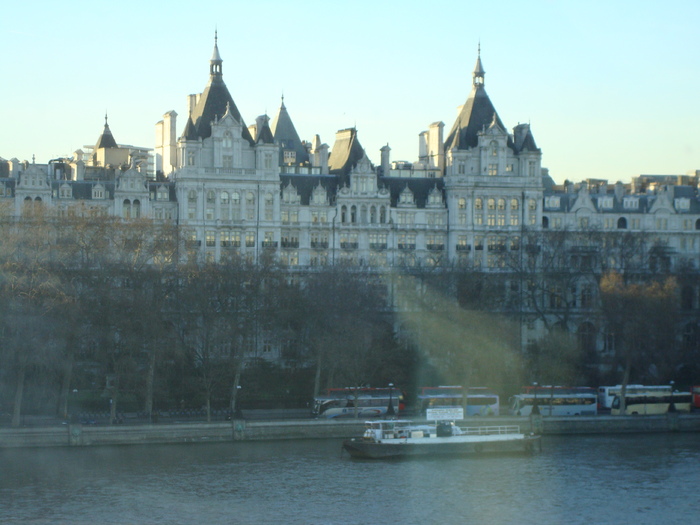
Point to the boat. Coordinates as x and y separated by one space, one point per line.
398 438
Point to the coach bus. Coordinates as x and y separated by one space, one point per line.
555 401
606 394
652 403
358 402
480 401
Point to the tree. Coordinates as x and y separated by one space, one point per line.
642 316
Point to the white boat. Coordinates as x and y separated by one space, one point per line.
398 438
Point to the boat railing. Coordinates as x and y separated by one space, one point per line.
481 431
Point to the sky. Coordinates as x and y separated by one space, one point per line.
610 89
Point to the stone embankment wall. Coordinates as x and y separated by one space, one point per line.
252 430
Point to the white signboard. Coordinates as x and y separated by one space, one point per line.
445 413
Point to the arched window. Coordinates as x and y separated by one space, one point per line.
236 198
462 203
136 209
621 223
373 215
545 222
353 214
126 209
211 196
192 196
382 214
224 197
363 214
343 213
478 204
514 204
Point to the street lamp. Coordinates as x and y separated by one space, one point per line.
238 413
535 406
671 404
390 410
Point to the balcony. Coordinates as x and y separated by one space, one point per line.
319 245
463 247
435 247
269 244
290 244
407 246
346 245
377 246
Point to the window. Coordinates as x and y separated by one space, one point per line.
210 238
289 156
228 140
462 203
493 169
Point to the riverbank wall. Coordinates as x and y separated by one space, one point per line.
77 435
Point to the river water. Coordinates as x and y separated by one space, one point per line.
601 479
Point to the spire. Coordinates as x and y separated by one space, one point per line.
106 140
215 62
478 75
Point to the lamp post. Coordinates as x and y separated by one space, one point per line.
535 406
237 412
671 404
390 409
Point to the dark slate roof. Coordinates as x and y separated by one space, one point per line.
523 139
346 153
421 188
190 132
82 190
286 136
477 114
214 101
106 140
266 135
305 185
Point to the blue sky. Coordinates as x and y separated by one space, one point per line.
609 88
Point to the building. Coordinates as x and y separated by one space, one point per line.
477 198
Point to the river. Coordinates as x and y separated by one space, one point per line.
602 479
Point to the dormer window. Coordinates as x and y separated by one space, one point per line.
98 192
228 140
552 202
605 203
682 204
289 156
406 197
65 192
435 197
630 203
163 194
319 196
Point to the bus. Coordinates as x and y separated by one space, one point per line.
555 401
606 394
358 402
695 391
653 403
480 400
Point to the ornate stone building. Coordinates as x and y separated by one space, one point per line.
477 199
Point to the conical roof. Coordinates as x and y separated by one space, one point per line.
477 114
106 140
215 101
286 136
